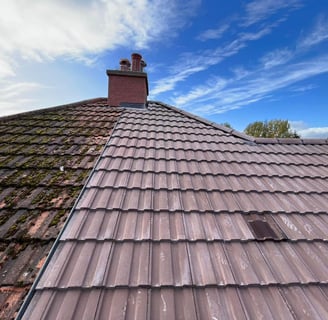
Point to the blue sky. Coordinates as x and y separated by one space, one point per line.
228 61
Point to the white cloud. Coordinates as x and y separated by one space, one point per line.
252 36
200 61
303 88
215 33
40 30
211 109
317 35
6 67
259 10
276 58
284 55
309 132
193 62
14 96
232 93
200 91
277 70
14 106
10 90
168 83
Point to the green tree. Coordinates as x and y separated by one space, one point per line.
271 129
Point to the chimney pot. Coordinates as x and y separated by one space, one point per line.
143 64
136 62
125 64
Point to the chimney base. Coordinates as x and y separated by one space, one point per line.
127 87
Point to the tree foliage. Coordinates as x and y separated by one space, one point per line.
271 129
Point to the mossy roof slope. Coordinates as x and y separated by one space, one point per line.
45 159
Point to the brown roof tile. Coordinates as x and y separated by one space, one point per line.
169 227
289 302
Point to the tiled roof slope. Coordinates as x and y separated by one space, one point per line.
45 158
184 220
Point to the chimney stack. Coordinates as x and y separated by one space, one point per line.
128 86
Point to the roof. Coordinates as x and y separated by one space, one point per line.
45 159
185 219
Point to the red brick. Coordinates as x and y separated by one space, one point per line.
126 86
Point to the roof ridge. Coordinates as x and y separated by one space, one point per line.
234 132
242 135
53 108
291 141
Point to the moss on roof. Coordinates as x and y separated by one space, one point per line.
45 159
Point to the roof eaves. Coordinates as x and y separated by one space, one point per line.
54 108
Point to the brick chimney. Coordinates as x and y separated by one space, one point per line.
126 86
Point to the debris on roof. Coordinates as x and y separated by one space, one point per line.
45 159
182 219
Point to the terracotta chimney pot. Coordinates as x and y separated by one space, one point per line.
125 64
143 64
136 62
